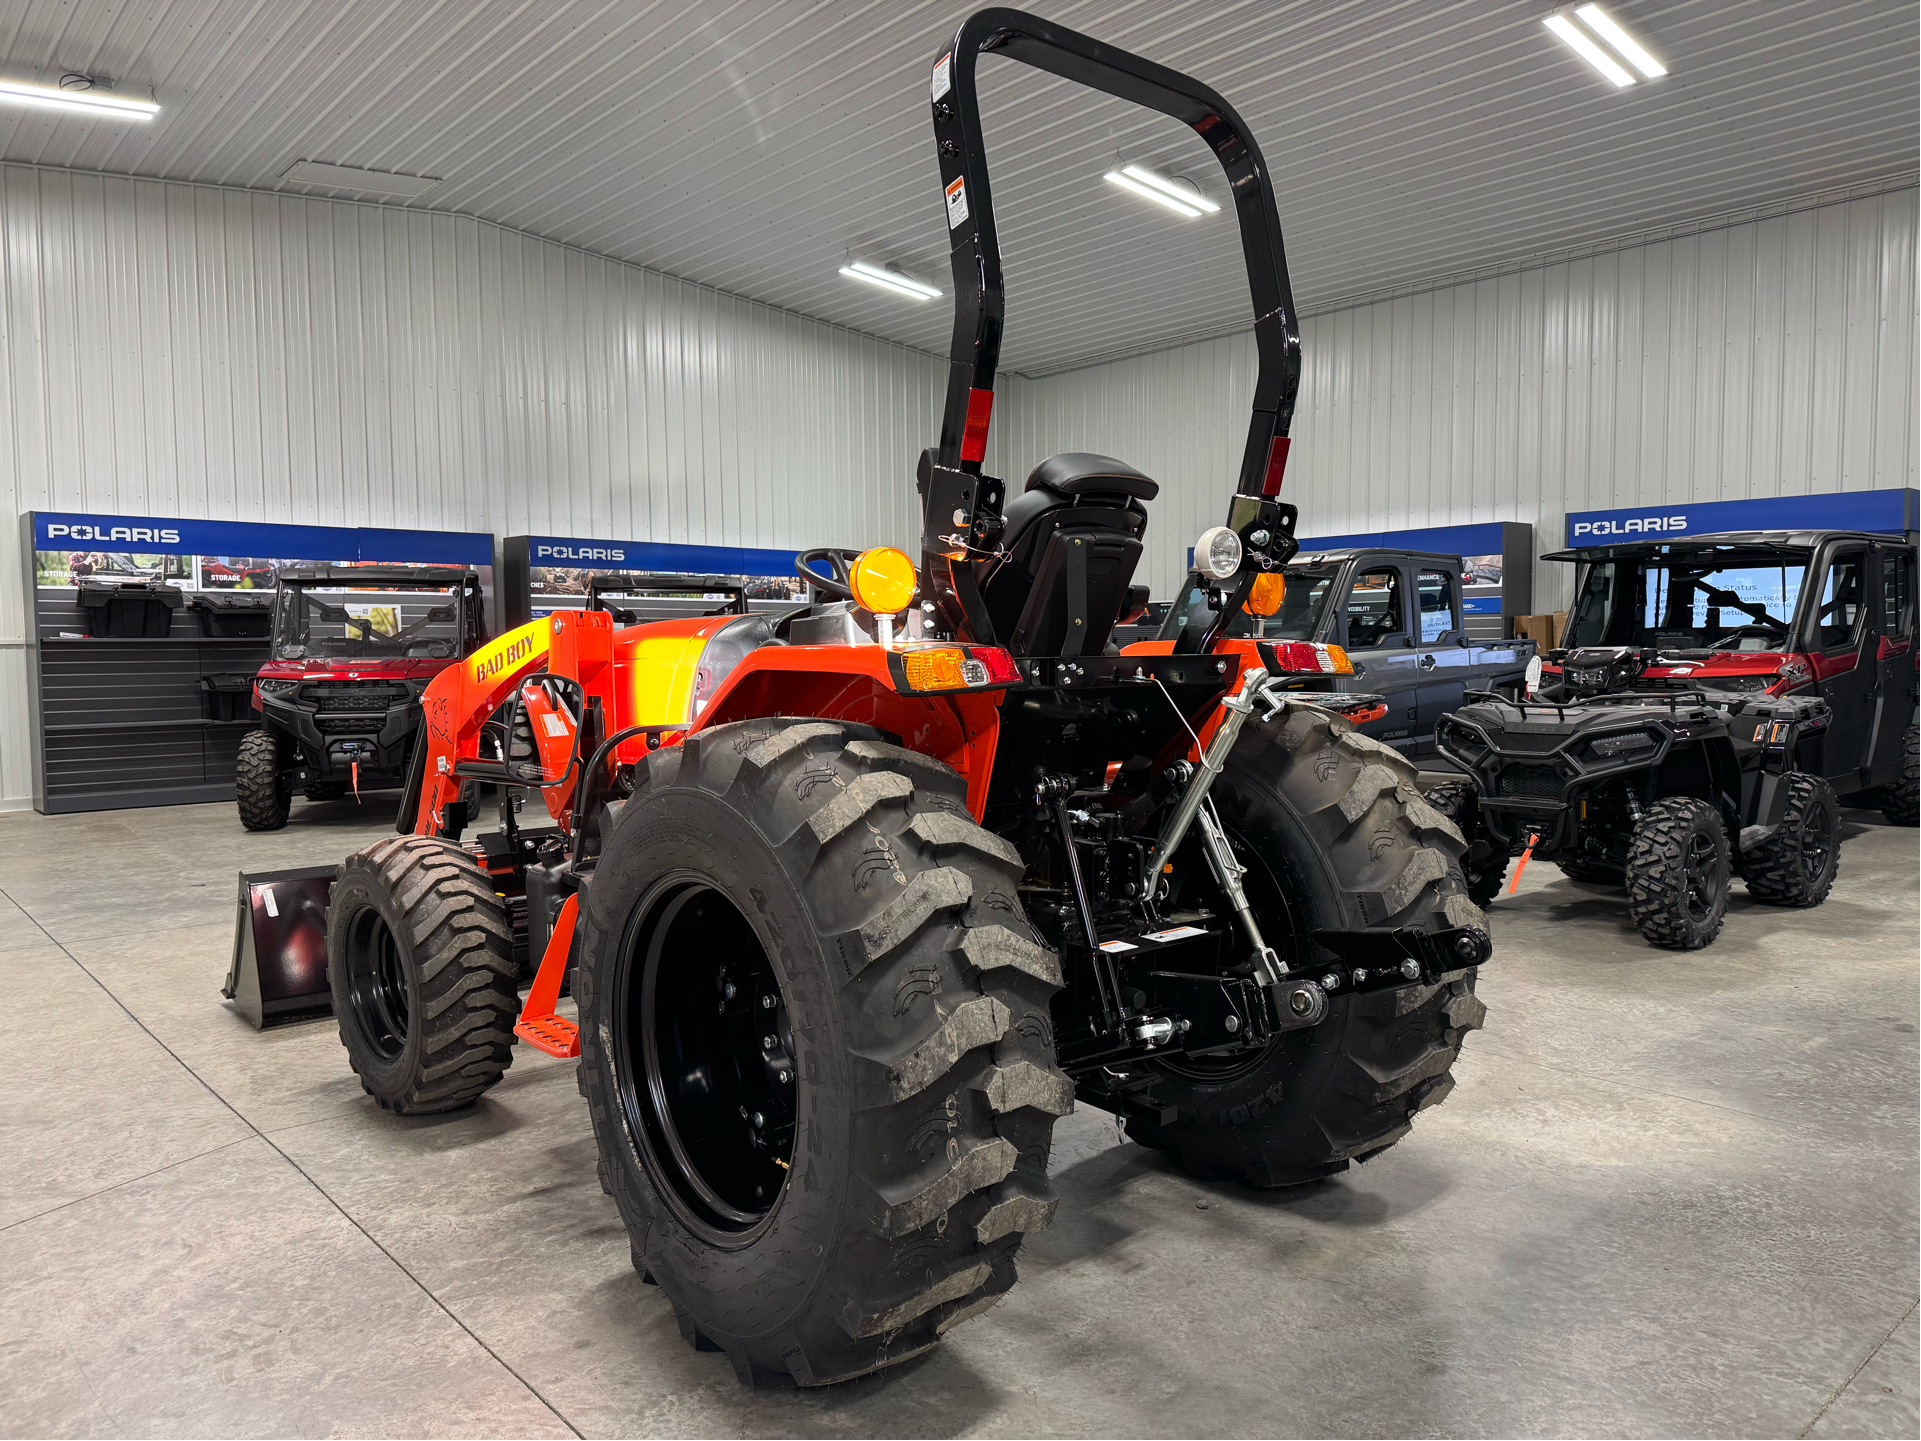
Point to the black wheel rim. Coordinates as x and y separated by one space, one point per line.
377 983
1701 888
1817 840
705 1060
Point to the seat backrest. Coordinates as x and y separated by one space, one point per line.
1070 545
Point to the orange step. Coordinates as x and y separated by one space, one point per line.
550 1033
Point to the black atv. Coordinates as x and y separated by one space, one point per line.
1672 792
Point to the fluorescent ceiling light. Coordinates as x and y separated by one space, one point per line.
1571 35
99 103
1601 24
352 177
1179 190
889 279
1182 199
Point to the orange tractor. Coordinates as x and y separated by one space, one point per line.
855 901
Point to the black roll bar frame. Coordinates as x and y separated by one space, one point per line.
961 508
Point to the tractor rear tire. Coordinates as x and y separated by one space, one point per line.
324 790
261 789
816 1046
1678 874
1332 822
1484 866
420 958
1797 866
1901 802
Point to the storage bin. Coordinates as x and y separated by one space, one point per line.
234 613
128 607
227 697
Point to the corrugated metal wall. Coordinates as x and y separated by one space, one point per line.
1766 358
187 350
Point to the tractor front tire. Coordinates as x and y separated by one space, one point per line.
1901 802
1797 865
1678 874
261 789
420 958
816 1046
1332 822
1483 865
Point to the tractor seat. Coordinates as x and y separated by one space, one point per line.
1069 545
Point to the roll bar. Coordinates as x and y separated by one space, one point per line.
960 507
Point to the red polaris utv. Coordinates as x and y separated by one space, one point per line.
339 698
857 899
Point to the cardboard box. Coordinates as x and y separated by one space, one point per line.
1543 630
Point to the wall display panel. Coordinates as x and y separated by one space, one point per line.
145 634
1891 511
1497 566
541 574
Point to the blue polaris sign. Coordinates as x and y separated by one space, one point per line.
171 535
1892 511
571 553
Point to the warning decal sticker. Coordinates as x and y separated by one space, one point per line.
943 75
956 202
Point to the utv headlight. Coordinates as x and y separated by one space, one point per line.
1218 553
1611 747
275 687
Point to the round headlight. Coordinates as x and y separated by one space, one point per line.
1218 553
882 580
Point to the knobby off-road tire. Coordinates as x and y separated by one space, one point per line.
260 787
911 1021
1483 866
1678 872
1335 835
421 962
1797 866
1901 802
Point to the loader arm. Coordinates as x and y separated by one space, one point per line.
461 700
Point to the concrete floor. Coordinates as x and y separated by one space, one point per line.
1671 1195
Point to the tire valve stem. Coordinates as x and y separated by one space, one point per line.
1533 840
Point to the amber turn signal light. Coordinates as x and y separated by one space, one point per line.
882 580
1266 595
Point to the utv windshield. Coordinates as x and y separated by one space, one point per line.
1299 618
1706 601
386 623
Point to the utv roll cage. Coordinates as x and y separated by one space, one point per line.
961 509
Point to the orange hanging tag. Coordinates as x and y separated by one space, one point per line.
356 782
1526 855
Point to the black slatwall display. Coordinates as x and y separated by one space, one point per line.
124 722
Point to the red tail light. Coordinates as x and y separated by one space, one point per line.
1001 669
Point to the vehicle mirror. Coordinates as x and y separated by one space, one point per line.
535 730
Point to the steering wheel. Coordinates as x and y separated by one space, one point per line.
1765 629
840 585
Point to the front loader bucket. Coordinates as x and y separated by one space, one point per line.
279 970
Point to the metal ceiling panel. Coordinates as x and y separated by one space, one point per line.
752 146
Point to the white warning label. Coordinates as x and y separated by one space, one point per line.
943 75
956 202
555 725
267 900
